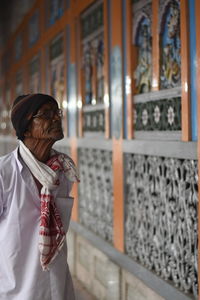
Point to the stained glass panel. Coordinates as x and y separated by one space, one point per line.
142 39
93 21
56 48
34 75
56 9
170 69
34 28
93 54
19 84
93 61
57 69
18 47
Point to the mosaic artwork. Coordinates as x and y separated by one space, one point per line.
56 9
87 70
143 42
19 84
161 217
94 121
34 28
57 80
34 75
92 66
159 115
18 47
56 48
96 191
93 54
92 21
57 70
170 69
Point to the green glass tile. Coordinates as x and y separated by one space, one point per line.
94 121
159 115
56 48
92 22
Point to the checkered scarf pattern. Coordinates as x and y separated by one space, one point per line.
51 232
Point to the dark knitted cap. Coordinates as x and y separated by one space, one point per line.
24 107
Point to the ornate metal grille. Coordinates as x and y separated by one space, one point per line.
161 217
96 191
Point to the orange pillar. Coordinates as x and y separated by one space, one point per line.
118 205
198 118
184 18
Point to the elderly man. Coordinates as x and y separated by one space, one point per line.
35 206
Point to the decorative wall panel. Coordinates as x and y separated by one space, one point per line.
34 28
55 10
170 69
92 39
94 121
142 39
34 75
96 191
56 56
18 47
161 217
19 84
159 115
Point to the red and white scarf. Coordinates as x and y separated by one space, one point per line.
51 232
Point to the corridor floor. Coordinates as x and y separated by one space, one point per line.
80 292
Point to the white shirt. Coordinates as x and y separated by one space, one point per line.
21 275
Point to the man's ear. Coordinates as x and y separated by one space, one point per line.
27 133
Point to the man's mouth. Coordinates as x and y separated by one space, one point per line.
56 128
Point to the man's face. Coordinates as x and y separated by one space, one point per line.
43 127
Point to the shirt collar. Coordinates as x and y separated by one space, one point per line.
18 159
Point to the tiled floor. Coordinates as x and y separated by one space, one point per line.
80 292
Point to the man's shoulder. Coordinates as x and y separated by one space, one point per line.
6 160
